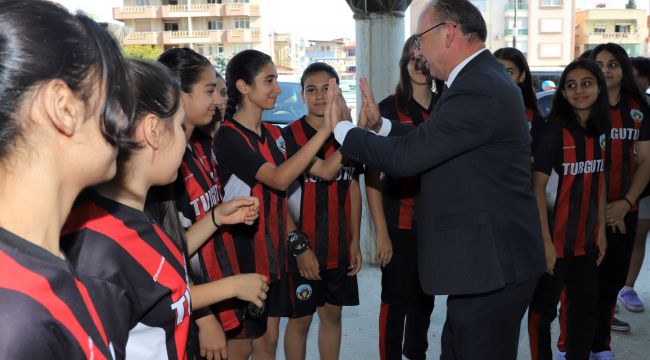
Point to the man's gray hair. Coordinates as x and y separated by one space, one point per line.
463 13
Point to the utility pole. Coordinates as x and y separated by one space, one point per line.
514 27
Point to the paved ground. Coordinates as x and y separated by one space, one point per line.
360 324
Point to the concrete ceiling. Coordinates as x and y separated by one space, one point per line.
361 7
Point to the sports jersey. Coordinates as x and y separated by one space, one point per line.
399 193
627 127
535 125
324 205
45 311
198 191
261 248
137 274
578 161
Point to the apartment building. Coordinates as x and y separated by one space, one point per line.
339 53
210 27
626 27
289 51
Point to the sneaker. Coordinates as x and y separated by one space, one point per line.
560 355
630 300
620 325
602 355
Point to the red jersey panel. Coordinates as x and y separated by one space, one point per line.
240 152
45 310
136 272
399 193
628 126
578 161
198 192
324 205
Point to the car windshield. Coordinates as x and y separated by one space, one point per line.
288 106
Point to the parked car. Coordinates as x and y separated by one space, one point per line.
544 101
549 75
288 106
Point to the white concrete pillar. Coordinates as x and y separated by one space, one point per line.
379 41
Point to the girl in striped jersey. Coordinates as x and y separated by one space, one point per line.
65 103
572 145
405 310
118 249
328 209
517 67
251 159
198 192
628 170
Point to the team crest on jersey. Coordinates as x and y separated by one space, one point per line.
636 115
281 145
602 142
303 292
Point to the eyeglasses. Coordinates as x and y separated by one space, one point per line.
418 42
610 65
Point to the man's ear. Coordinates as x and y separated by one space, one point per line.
242 87
152 128
63 108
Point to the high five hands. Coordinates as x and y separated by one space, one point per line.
336 109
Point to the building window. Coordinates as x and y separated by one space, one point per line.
550 25
241 1
171 26
142 3
200 48
328 48
215 24
242 23
551 3
214 1
550 50
240 47
481 5
599 28
351 52
622 28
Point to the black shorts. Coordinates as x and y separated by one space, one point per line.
334 288
253 324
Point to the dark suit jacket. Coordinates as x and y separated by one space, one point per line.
478 227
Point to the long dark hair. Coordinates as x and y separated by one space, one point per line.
245 65
563 113
628 85
316 68
186 64
517 57
158 92
642 66
41 41
404 88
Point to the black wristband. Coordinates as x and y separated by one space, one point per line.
199 313
628 202
298 242
212 215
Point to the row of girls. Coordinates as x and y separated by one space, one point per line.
594 147
147 238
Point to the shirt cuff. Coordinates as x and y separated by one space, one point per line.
386 127
341 130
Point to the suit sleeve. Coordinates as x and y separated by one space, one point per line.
458 128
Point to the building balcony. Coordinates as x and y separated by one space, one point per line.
519 6
143 38
183 11
243 36
604 37
136 12
520 32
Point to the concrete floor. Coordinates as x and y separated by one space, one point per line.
360 323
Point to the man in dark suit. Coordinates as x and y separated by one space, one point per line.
479 237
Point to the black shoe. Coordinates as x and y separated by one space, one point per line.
620 325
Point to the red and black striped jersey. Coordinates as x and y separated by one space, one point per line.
262 247
324 204
135 272
578 161
399 193
45 311
198 191
628 126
